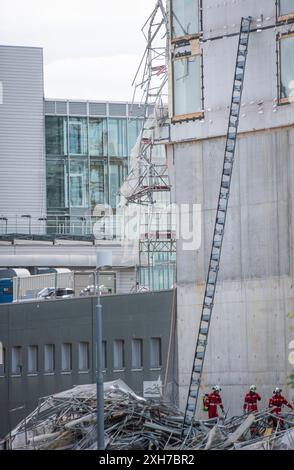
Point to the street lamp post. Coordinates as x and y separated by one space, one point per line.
103 260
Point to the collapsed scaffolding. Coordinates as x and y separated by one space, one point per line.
148 170
67 421
148 183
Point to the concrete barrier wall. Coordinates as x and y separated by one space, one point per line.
143 316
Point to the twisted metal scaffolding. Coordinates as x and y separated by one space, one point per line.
148 169
67 421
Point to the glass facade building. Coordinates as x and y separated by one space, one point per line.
88 146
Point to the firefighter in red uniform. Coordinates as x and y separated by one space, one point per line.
276 403
250 400
212 400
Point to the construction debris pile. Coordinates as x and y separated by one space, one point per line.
67 420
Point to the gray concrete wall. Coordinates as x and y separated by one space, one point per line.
250 331
22 158
55 322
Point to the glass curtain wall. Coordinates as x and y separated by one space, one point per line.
87 161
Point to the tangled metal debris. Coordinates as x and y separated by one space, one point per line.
67 420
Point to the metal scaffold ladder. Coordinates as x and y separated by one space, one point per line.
220 221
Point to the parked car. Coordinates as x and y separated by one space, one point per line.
42 294
59 293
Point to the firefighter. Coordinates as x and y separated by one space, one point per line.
212 400
276 403
250 400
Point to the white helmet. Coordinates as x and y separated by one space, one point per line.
252 388
277 390
216 388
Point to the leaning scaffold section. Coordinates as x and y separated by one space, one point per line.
218 235
148 170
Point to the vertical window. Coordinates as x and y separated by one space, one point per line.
79 183
187 85
97 137
117 137
16 360
286 68
185 17
137 353
286 7
134 128
155 353
186 60
66 357
117 174
83 356
78 136
104 355
32 359
97 192
57 184
56 135
118 354
49 358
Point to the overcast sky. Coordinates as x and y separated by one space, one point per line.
91 47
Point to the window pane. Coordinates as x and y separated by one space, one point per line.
78 136
57 183
137 353
83 356
16 360
287 67
32 359
97 137
185 17
79 184
56 135
118 354
66 364
118 173
187 86
155 352
134 128
117 137
286 7
49 358
97 192
114 183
